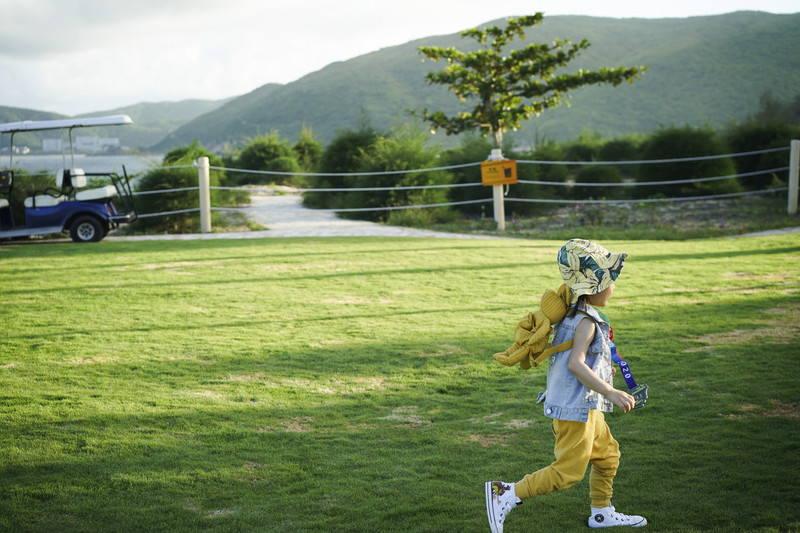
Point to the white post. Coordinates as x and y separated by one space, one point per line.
794 165
205 196
497 194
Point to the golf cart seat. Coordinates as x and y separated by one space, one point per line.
77 179
43 200
100 193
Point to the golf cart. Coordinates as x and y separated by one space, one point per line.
85 210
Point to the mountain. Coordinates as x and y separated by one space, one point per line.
152 122
701 70
17 114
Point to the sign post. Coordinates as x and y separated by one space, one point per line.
497 172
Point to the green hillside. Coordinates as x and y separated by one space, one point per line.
153 121
701 70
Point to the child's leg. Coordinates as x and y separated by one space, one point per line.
605 460
573 450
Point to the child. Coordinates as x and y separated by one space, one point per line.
579 390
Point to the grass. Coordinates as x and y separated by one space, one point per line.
648 221
348 385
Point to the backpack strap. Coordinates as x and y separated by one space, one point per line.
550 350
566 345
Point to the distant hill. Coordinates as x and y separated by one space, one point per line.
701 70
17 114
152 122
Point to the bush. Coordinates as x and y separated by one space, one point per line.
597 174
686 142
307 150
405 149
762 135
266 153
343 155
179 178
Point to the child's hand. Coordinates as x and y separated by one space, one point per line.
621 399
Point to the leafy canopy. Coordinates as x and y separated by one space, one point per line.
507 88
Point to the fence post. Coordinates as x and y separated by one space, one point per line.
794 165
497 194
205 196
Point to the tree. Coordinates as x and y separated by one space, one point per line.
307 150
507 88
261 153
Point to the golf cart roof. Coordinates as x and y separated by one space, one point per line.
67 123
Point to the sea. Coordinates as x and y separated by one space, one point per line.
133 163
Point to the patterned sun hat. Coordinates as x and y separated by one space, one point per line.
588 268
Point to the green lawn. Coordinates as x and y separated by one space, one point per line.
348 385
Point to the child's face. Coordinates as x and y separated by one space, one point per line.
601 298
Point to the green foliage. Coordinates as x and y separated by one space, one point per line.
307 150
342 155
760 135
162 179
472 149
266 153
507 87
686 142
597 174
774 125
405 149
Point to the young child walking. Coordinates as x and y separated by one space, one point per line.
579 390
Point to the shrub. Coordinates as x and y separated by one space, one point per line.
343 155
405 149
179 178
307 150
597 174
756 135
686 142
261 153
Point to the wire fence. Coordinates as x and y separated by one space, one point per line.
569 184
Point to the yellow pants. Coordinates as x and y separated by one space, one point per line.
577 445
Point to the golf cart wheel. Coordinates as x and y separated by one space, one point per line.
86 229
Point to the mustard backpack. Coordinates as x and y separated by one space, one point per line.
532 334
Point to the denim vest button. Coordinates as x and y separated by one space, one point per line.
549 411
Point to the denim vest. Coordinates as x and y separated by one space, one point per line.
566 398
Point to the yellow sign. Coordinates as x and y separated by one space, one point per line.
503 172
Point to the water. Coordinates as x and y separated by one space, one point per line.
89 163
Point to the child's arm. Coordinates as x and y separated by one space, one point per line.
584 334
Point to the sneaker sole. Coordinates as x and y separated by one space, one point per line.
490 507
638 524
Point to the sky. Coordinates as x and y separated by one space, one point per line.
81 56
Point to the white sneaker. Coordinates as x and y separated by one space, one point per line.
500 499
609 517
